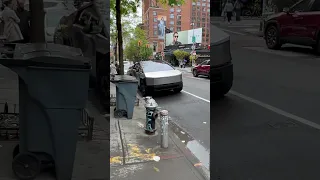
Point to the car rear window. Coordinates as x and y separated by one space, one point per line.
151 66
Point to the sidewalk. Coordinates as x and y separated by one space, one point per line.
186 69
132 152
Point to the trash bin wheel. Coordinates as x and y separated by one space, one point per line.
119 113
26 166
16 151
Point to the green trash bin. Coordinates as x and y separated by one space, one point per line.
53 90
126 95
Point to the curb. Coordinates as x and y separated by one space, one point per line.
204 172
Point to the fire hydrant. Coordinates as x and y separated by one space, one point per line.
151 115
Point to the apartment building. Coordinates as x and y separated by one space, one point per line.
177 18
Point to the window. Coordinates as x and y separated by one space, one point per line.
193 13
207 39
207 34
171 29
179 23
301 7
155 20
154 13
171 16
179 17
155 44
198 13
208 5
198 24
193 3
172 22
203 19
155 32
316 6
198 8
151 66
178 29
204 4
198 19
155 26
208 10
204 0
194 8
171 9
198 4
178 10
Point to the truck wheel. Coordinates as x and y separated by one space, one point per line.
177 90
221 91
272 37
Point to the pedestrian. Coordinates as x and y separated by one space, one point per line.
184 62
117 67
224 12
229 9
237 7
24 24
113 70
11 29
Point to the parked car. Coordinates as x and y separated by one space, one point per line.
221 67
155 76
202 69
298 24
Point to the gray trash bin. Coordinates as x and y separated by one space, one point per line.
126 94
53 90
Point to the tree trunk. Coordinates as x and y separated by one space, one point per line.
37 22
120 41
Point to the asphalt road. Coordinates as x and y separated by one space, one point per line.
267 127
190 109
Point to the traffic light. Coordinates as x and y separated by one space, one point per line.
139 43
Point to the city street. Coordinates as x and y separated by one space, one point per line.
267 127
190 110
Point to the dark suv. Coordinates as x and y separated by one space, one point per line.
299 24
221 67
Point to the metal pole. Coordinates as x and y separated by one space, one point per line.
193 41
164 42
164 128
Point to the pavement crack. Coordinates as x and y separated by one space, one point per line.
122 146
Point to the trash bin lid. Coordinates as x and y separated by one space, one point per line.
47 55
123 78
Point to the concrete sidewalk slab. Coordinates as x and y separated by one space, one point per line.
132 152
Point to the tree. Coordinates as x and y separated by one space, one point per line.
119 9
138 47
125 8
180 55
193 59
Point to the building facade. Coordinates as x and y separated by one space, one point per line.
177 18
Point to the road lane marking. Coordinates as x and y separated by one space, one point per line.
233 32
276 110
195 96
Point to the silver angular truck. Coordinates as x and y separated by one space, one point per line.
221 67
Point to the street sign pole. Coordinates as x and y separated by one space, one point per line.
193 42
